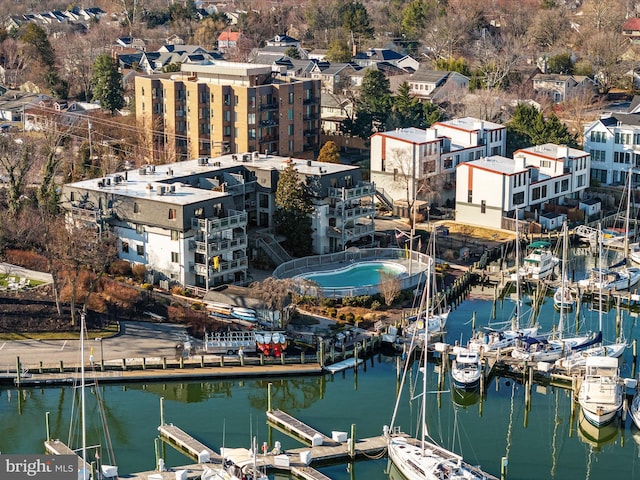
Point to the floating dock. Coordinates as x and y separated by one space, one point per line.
342 365
291 425
194 448
56 447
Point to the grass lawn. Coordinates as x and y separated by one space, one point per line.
109 331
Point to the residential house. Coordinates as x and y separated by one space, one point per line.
334 77
562 87
187 222
228 41
491 188
334 110
155 62
375 55
614 144
631 29
425 84
238 107
13 104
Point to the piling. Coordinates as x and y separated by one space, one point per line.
161 410
18 371
352 441
503 468
635 358
46 421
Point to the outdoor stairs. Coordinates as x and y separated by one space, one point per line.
273 249
384 198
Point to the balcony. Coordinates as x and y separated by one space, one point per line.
349 193
351 233
311 101
352 212
216 247
235 265
269 106
235 219
268 123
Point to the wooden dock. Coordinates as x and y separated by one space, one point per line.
194 448
308 473
288 424
56 447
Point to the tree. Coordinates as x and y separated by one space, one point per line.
415 16
275 293
560 63
528 127
375 98
16 162
36 36
107 83
407 110
355 20
390 287
339 51
292 52
292 215
329 153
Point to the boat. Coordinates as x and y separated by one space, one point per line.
634 408
466 368
493 339
618 237
564 298
609 279
422 458
236 469
241 313
540 349
539 262
601 391
271 343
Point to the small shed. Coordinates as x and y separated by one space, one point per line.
551 220
591 206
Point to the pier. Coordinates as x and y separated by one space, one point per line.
288 424
56 447
194 448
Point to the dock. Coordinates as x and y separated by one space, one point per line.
56 447
289 424
194 448
308 473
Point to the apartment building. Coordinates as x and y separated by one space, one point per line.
491 188
412 161
189 222
225 107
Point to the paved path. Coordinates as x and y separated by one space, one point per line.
16 271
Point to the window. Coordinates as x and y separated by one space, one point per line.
348 181
535 194
483 206
581 180
140 250
565 185
125 247
291 98
251 119
543 192
598 155
556 187
252 134
226 99
545 163
383 165
139 229
622 157
175 235
290 129
599 175
175 257
622 138
136 207
599 137
290 114
172 214
470 196
518 198
226 131
72 196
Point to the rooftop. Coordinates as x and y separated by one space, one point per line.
497 164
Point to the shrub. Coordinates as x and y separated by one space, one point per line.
147 286
328 302
177 290
350 317
120 267
342 317
375 305
332 312
138 271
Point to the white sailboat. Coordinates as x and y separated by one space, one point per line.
564 297
634 408
422 458
601 391
492 339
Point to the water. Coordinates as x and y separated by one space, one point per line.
544 442
357 275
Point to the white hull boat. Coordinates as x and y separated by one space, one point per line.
601 391
466 369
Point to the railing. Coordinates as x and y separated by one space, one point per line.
235 219
352 212
416 263
219 246
360 190
351 232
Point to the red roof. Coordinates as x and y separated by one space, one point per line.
228 36
631 24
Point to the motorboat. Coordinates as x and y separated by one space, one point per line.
601 391
466 368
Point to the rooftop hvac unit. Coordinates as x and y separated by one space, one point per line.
256 155
142 171
172 188
216 164
202 161
246 157
161 189
107 181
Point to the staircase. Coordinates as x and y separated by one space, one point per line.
273 249
384 198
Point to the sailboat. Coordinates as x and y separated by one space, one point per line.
634 408
492 339
422 458
564 297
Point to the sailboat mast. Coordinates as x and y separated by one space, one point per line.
563 281
626 218
425 362
515 324
82 392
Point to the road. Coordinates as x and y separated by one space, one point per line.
135 340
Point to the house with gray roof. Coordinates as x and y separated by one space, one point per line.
562 87
426 84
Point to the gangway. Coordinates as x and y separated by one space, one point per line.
585 231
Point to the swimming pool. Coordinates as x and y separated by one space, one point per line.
361 274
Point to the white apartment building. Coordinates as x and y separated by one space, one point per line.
613 142
491 188
412 161
188 222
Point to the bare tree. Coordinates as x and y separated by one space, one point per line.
581 109
14 61
497 59
549 27
389 286
275 293
15 163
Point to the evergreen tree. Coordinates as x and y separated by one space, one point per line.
560 63
338 51
107 83
292 215
292 52
355 19
36 36
329 153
